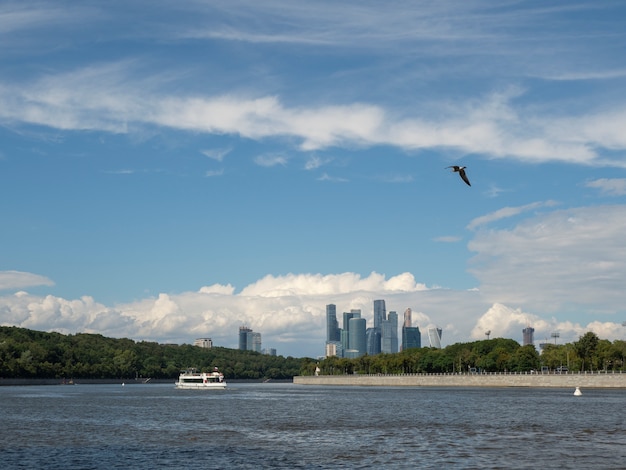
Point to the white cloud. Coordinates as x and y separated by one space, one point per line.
18 16
609 186
218 289
333 179
216 154
448 239
315 162
10 280
334 284
506 212
269 160
568 260
506 322
289 312
107 98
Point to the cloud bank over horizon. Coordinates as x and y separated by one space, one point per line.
293 323
515 291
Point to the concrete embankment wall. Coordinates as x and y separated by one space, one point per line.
570 380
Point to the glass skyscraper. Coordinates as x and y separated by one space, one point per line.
356 333
332 325
380 313
411 337
389 334
407 317
434 336
345 334
372 337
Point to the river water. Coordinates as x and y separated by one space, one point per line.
253 426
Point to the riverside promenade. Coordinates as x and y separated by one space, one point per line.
565 380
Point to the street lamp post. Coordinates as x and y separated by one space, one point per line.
555 335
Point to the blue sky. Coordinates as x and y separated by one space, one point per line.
175 170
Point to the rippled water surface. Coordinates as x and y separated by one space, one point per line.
294 426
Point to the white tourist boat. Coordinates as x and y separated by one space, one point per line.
192 379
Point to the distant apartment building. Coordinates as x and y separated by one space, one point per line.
333 348
255 342
203 343
528 336
244 331
249 340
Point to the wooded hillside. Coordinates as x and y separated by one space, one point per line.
33 354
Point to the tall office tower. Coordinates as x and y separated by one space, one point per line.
254 342
332 325
243 337
393 319
407 317
389 336
380 313
345 339
345 333
527 335
357 336
372 338
411 337
380 316
434 336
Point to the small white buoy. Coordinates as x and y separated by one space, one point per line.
123 384
577 392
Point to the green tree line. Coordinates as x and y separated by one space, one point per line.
27 353
492 355
33 354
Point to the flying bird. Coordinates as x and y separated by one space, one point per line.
461 171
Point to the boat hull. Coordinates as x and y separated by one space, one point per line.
200 386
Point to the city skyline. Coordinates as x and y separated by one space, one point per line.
354 339
175 170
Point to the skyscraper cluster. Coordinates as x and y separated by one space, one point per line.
355 339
